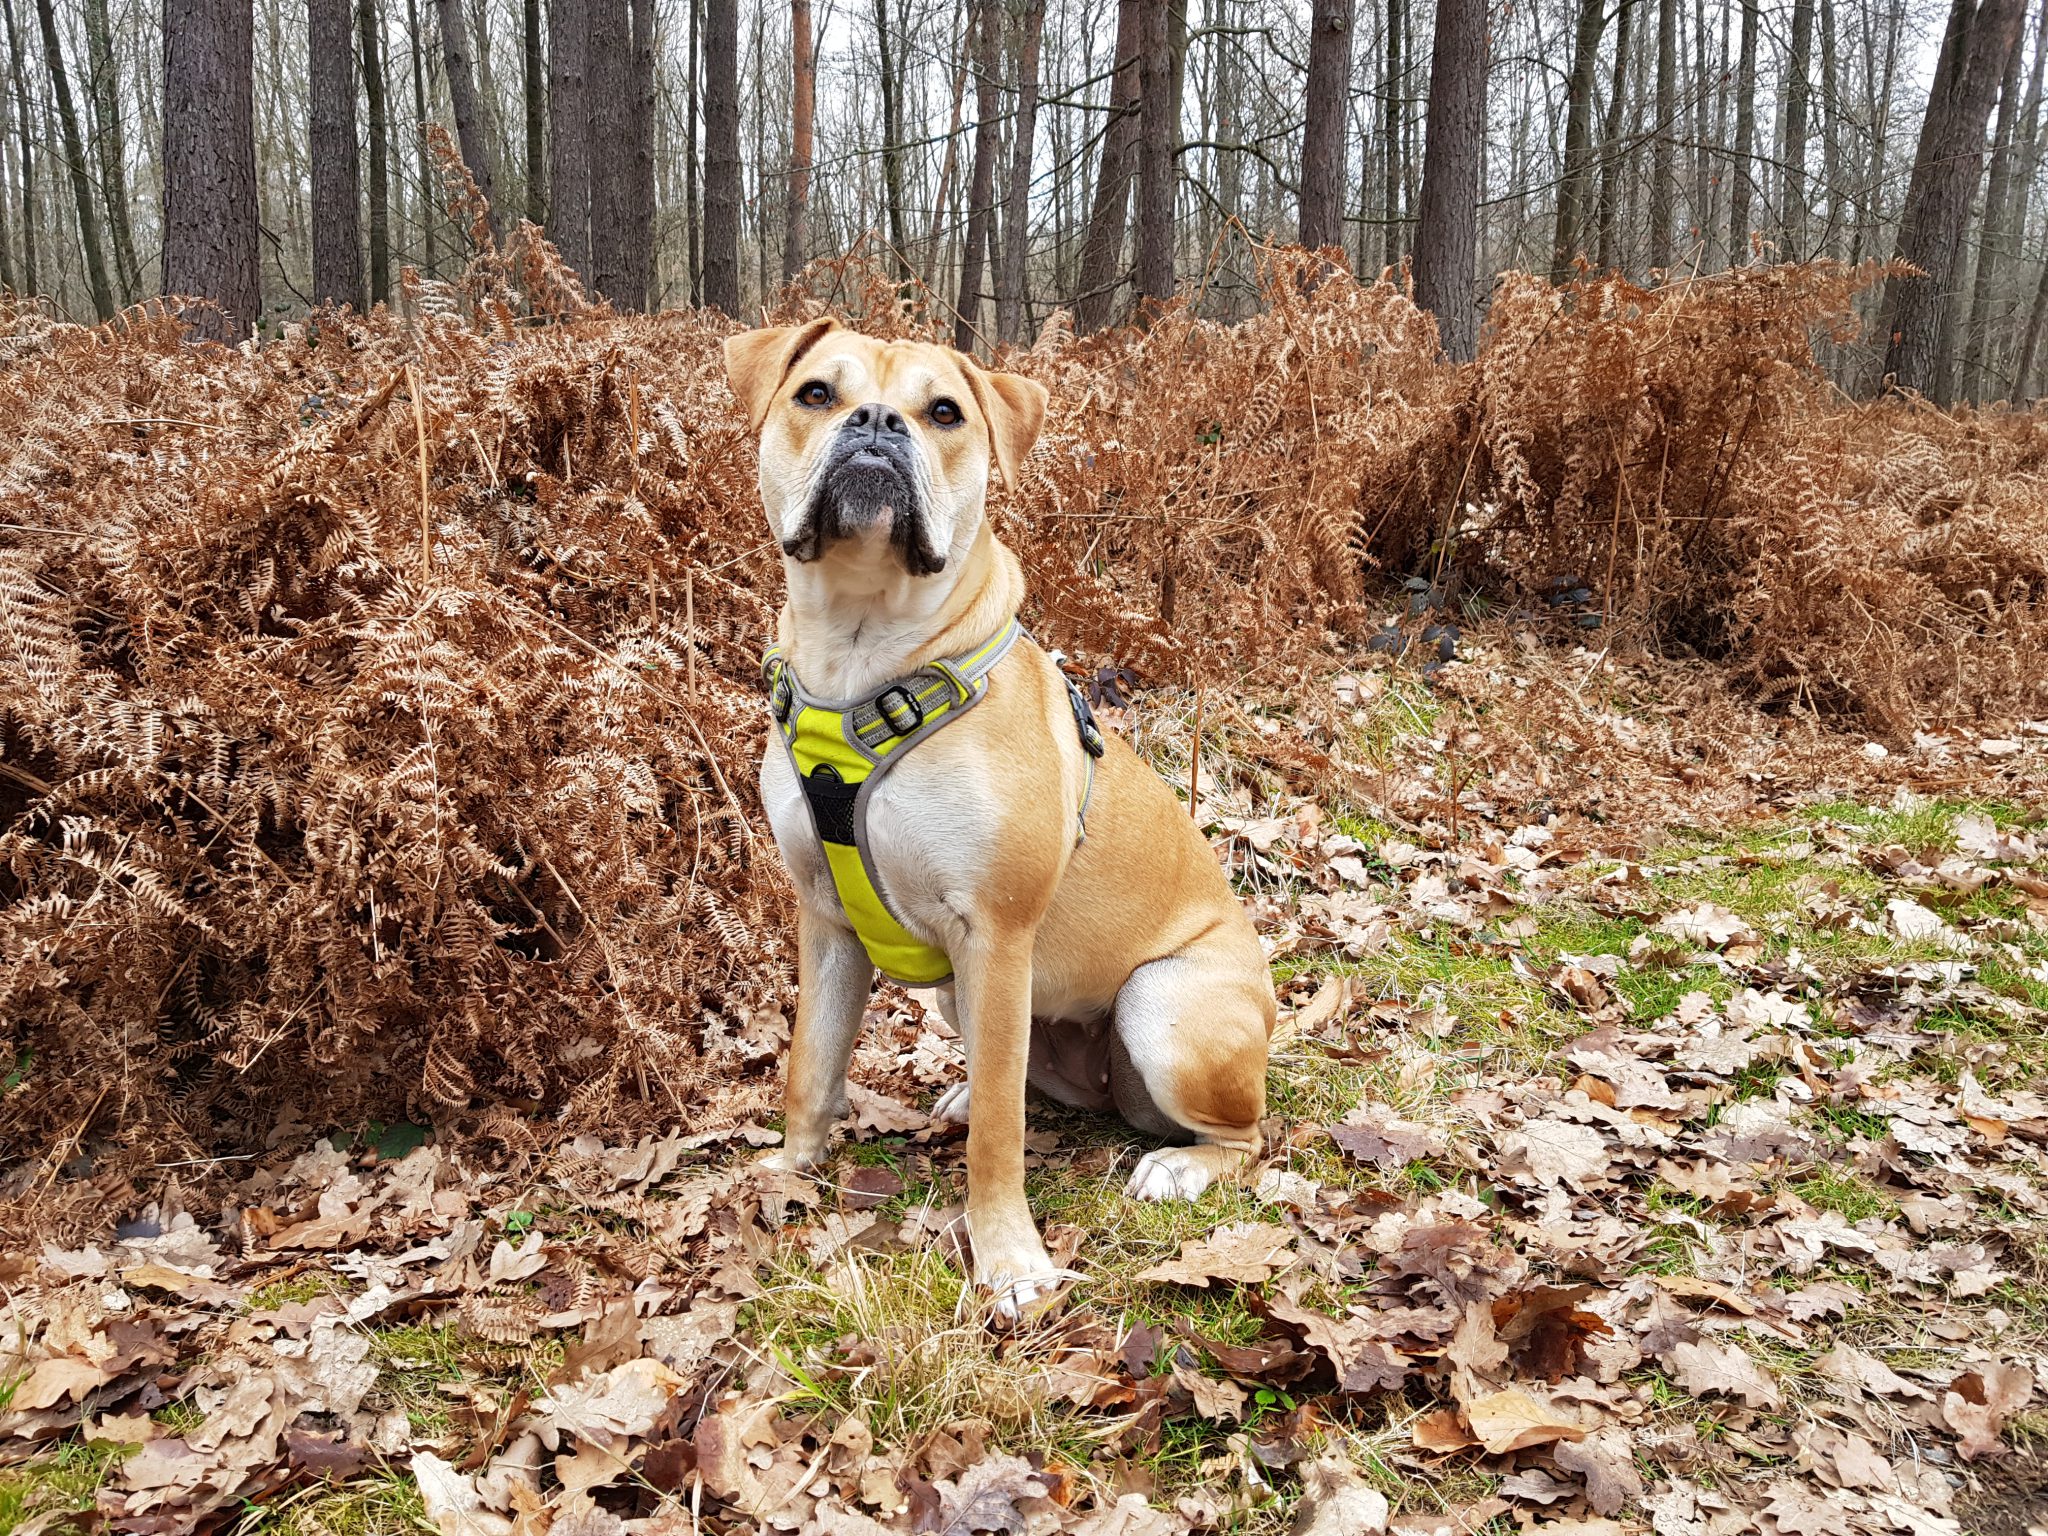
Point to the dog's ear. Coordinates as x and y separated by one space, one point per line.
1015 408
756 362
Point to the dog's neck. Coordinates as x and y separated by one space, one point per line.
851 626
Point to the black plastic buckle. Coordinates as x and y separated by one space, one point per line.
910 705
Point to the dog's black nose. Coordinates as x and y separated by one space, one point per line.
878 421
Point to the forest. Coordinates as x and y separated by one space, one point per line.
1550 490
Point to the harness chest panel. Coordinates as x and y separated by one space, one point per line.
842 748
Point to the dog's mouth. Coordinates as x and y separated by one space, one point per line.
867 488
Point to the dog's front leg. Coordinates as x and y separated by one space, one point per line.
834 977
993 981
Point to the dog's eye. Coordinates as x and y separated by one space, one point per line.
945 413
817 394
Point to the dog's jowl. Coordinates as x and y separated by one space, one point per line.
950 814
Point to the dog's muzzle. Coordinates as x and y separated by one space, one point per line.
869 474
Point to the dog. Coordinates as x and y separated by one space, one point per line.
1096 951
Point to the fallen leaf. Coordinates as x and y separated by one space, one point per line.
1247 1252
1709 1367
1513 1420
1336 1501
1978 1403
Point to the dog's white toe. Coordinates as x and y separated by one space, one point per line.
952 1105
1171 1173
1016 1300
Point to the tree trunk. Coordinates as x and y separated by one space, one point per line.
1742 174
331 127
25 126
1918 314
430 200
803 112
1447 233
1978 348
1792 153
2030 344
987 22
113 146
1102 251
2030 159
692 233
1390 139
469 127
1613 151
569 133
611 152
1322 133
533 82
1158 128
1663 164
949 162
371 31
1012 273
640 173
209 164
8 274
892 143
1574 180
81 174
722 155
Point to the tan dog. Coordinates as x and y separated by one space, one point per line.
1113 969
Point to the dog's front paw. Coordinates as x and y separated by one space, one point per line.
788 1160
1171 1173
952 1105
1019 1276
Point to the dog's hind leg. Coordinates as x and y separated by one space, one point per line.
1188 1064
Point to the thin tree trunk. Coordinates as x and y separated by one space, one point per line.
113 148
1159 120
1613 150
430 199
209 163
1102 252
2030 159
722 155
7 268
81 175
371 31
2030 344
1573 184
462 100
692 235
1011 271
1977 341
1663 164
1830 129
331 118
982 183
1918 314
949 163
25 126
1742 173
1447 232
534 85
1322 134
1792 152
803 111
892 144
1390 139
569 133
640 172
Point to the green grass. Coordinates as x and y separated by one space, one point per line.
65 1481
307 1287
389 1505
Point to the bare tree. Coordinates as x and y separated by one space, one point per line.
640 177
1613 145
1102 251
1743 170
1792 151
612 264
1663 169
370 27
569 133
533 87
429 204
209 162
1977 342
796 235
1574 182
1918 317
981 186
722 155
469 126
1447 229
1322 132
113 144
892 141
1012 274
1158 135
81 173
331 96
25 125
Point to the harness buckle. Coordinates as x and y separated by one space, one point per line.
781 693
897 703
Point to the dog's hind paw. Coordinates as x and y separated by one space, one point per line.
952 1105
1171 1173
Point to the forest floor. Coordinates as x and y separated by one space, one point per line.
1686 1179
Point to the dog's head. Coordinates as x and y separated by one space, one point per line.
878 450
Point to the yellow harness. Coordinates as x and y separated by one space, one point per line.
842 748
